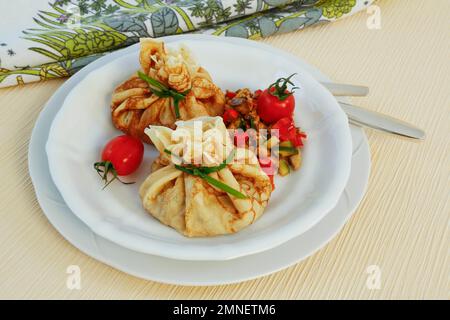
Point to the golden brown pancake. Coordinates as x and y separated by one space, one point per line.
134 107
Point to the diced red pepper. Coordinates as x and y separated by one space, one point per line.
285 127
288 132
269 168
230 94
230 115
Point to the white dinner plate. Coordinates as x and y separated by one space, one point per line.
180 272
83 125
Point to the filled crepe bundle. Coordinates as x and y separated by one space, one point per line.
201 185
170 86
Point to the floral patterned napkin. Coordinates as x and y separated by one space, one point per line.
44 40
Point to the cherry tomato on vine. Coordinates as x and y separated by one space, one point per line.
121 156
276 101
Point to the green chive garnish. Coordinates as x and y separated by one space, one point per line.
176 108
252 123
198 172
203 172
224 187
163 91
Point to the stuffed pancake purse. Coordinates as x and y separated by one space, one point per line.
170 86
223 194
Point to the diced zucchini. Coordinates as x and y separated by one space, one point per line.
296 161
272 142
283 169
286 144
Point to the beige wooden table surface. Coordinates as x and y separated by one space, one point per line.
401 225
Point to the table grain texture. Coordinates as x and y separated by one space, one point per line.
402 224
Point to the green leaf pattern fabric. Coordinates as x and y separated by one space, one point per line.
65 35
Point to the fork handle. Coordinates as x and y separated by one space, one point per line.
339 89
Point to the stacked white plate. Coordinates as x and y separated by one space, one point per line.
306 210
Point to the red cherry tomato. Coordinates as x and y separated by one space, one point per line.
120 157
125 153
271 108
230 115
